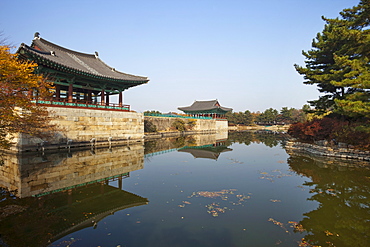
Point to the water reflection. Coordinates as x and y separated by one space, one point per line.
211 151
48 196
342 188
55 194
31 174
206 145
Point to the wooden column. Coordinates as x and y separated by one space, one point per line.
102 98
70 93
120 99
120 183
107 99
89 96
57 92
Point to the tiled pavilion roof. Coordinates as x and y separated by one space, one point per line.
59 58
205 107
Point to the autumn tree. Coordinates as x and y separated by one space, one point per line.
19 85
339 63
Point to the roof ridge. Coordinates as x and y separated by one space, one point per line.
44 41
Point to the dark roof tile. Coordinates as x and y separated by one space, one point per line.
204 105
86 63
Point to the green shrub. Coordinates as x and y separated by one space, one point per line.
149 126
191 124
179 125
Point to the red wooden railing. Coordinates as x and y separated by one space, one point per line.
83 104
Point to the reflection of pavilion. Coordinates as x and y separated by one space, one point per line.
53 216
62 193
86 206
37 175
200 145
210 151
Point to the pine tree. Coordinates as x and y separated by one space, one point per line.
339 63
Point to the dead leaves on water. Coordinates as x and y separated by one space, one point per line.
273 175
224 198
291 224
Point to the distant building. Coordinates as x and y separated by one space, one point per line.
211 108
78 77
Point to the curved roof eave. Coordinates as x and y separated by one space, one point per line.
35 53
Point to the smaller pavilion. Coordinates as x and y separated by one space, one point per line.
211 108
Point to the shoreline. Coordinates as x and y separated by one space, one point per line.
329 151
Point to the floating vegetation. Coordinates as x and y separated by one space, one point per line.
274 200
234 161
271 177
331 192
327 233
291 224
214 208
304 243
281 225
297 227
223 194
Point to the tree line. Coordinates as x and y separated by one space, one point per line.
269 116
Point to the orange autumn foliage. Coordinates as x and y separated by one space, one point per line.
19 84
350 131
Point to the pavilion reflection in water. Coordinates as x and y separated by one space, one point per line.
65 192
200 146
211 151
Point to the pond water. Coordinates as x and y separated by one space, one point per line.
236 189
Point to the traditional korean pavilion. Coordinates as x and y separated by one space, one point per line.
79 79
211 108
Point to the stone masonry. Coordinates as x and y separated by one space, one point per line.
32 175
86 127
330 151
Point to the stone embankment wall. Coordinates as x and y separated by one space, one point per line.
260 127
165 127
337 151
31 175
79 127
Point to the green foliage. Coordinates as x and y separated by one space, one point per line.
243 118
179 124
292 115
339 64
149 126
269 116
191 124
153 112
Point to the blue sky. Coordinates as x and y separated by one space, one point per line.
239 52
